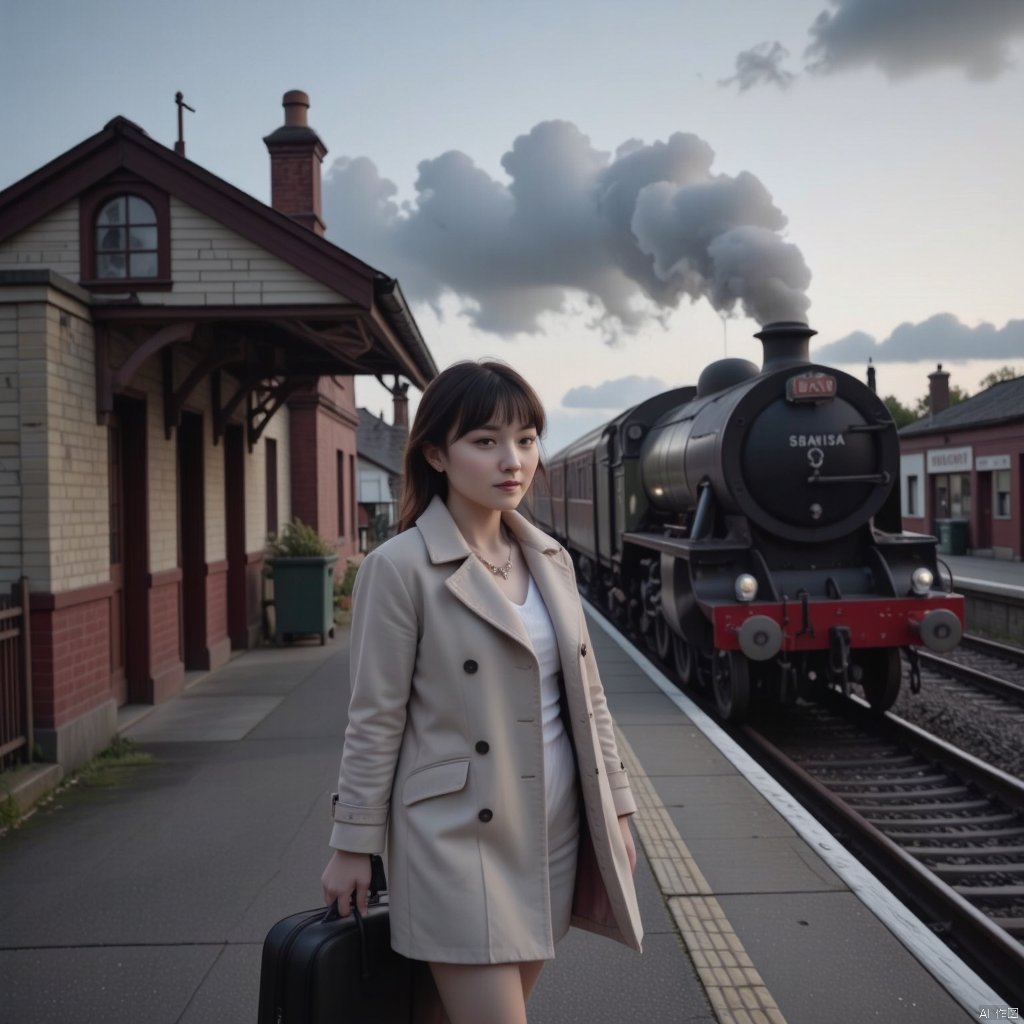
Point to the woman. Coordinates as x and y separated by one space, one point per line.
479 740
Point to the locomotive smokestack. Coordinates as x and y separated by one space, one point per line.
786 343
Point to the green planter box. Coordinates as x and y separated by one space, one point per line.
304 597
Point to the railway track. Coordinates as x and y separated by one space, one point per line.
986 667
942 829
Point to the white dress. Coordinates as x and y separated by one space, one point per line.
559 763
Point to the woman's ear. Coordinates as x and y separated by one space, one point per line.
432 454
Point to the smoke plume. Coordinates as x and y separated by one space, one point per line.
633 234
761 65
902 38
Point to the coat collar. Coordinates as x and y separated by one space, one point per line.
446 544
471 584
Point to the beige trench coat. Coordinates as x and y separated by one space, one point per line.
444 751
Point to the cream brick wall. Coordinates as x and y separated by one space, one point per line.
10 448
54 510
50 243
256 482
211 265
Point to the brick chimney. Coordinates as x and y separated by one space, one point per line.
399 394
938 391
296 154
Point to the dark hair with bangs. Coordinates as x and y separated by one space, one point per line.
461 398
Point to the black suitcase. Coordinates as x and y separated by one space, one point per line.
320 968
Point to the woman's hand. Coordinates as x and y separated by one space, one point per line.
627 838
347 874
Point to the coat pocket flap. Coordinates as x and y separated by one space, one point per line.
435 780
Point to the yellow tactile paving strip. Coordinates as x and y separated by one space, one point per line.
735 990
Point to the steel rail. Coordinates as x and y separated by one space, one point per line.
992 951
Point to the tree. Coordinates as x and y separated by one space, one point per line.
997 376
956 396
899 412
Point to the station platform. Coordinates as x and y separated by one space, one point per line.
146 900
974 570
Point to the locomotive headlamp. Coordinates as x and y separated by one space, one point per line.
746 587
921 580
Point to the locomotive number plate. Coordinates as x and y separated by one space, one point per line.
811 387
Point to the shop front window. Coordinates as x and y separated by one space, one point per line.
952 496
960 496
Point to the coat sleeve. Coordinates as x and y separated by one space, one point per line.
382 658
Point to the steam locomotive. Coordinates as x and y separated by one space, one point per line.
749 531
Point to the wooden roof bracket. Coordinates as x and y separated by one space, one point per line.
261 410
174 401
111 382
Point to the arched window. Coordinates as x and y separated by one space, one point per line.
125 232
126 239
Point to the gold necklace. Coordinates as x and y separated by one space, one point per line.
498 570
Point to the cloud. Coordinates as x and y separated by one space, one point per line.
632 235
907 37
941 336
761 65
614 394
902 38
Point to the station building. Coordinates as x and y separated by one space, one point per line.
177 382
381 450
962 470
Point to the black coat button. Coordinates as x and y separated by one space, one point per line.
583 650
470 666
485 815
482 747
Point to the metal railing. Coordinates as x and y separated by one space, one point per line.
16 736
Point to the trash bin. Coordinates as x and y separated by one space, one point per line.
304 597
958 536
952 536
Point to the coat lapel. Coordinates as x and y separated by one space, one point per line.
472 586
469 582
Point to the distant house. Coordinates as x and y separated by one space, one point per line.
177 384
381 447
963 466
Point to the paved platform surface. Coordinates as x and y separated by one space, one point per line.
991 570
147 901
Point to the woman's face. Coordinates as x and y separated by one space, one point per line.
491 466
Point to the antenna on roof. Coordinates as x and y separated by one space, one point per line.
179 146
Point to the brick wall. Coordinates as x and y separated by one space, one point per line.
10 448
164 624
323 423
70 660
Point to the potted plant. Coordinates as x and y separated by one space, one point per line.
302 566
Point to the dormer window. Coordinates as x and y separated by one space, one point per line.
125 237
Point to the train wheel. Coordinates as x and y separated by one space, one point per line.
662 637
682 659
731 685
883 674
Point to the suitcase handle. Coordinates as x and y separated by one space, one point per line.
378 884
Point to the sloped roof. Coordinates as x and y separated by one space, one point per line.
1001 403
380 443
124 146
